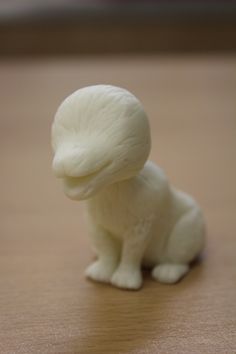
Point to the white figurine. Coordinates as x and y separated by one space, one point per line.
101 140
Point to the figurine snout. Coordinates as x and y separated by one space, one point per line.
67 164
58 167
77 163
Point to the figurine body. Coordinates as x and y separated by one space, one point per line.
101 139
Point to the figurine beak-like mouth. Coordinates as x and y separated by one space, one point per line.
79 188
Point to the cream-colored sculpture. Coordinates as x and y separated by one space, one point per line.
101 140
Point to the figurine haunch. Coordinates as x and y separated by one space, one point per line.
101 140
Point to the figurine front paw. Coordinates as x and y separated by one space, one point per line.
100 271
127 279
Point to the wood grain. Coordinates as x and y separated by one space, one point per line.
46 305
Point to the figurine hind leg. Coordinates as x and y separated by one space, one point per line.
185 243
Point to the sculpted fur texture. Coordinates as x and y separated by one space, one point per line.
101 140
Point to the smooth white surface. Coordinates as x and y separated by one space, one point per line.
101 140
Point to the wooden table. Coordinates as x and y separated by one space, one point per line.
46 304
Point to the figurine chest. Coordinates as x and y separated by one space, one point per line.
112 214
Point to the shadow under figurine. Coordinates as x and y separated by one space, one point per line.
101 140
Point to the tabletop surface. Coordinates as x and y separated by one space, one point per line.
46 304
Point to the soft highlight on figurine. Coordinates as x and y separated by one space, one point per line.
101 141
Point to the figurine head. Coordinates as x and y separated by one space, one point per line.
100 136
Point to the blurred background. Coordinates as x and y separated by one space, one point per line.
42 27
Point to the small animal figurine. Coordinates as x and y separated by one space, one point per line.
101 140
